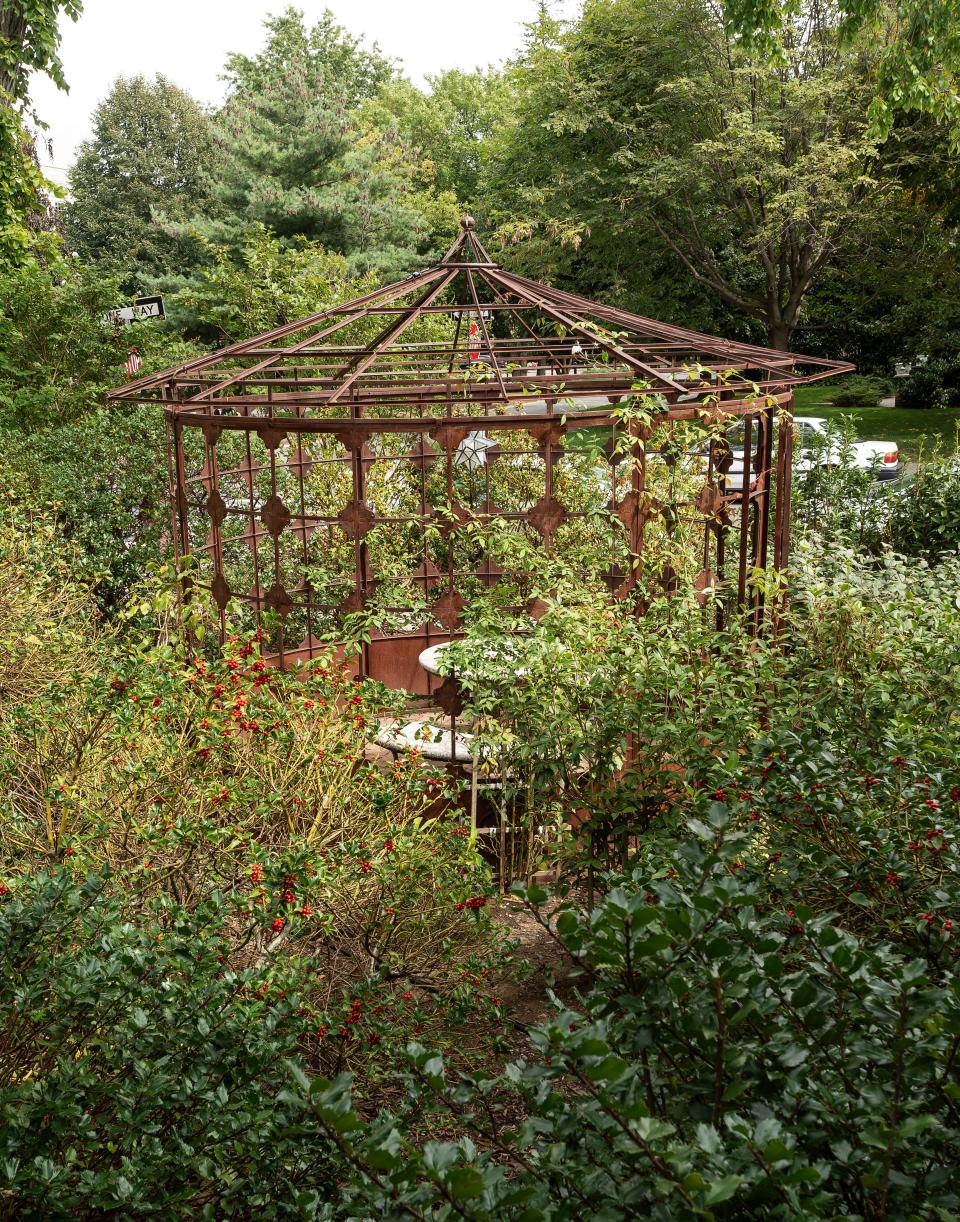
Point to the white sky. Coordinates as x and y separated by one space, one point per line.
189 40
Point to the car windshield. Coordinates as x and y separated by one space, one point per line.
808 432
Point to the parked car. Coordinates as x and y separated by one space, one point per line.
815 446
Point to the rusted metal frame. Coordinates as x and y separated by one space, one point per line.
216 535
486 334
479 247
720 530
277 567
607 345
304 541
172 481
720 551
675 336
466 235
185 370
401 393
374 424
694 340
762 520
244 375
638 485
254 549
401 396
745 509
680 336
458 244
425 561
400 379
517 309
453 350
781 551
241 375
182 547
392 332
382 384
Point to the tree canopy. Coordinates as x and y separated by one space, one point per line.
146 163
294 151
919 67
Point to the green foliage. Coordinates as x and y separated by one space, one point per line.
926 518
22 189
142 1073
746 177
144 165
833 499
921 48
29 42
452 125
102 469
266 284
859 391
293 151
723 1056
931 383
46 616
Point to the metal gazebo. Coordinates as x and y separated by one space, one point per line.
351 461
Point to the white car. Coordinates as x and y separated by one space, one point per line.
814 446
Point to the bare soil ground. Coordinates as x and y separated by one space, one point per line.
525 994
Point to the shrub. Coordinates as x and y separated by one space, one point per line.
141 1073
227 777
833 499
926 517
47 622
859 390
726 1059
935 383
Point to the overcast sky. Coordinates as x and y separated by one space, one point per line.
188 41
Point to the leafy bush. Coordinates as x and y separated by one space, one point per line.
859 390
46 617
142 1073
926 519
832 498
186 781
725 1059
935 383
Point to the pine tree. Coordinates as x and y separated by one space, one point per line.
297 152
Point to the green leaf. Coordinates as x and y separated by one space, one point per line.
722 1190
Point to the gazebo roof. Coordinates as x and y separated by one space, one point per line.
466 334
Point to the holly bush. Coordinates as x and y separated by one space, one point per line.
722 1059
141 1073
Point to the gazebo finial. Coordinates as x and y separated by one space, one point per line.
467 221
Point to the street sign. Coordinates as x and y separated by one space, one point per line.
142 308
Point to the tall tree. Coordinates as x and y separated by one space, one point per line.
296 153
29 42
919 65
452 122
750 177
147 159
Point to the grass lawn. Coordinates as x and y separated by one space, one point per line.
911 428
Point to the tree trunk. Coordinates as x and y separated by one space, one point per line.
13 28
778 335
